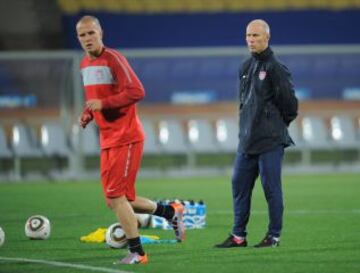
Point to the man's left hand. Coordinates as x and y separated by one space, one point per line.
94 105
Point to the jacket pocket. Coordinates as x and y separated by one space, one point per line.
274 122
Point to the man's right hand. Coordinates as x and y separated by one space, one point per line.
84 119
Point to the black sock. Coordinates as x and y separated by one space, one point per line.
165 211
135 246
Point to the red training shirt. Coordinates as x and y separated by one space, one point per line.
110 78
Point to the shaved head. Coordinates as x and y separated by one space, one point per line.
261 23
257 35
88 19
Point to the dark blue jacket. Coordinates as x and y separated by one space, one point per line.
267 104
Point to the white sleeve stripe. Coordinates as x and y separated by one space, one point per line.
123 66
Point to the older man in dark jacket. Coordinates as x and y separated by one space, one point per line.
267 106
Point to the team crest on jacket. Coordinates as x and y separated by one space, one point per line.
262 75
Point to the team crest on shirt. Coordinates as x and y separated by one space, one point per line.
262 75
99 74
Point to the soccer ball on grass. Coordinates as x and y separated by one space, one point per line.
37 227
115 236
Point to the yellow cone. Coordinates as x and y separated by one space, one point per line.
98 236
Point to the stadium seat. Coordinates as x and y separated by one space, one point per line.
295 134
299 151
212 67
326 66
25 146
227 131
348 65
23 142
89 139
316 138
343 132
154 69
5 151
315 133
184 68
201 136
172 137
151 145
53 140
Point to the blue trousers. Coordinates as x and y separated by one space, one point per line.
246 170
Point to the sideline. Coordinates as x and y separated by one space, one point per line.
294 212
62 264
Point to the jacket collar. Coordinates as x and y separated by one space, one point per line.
263 55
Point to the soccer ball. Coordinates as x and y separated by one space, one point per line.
143 220
115 236
2 237
37 227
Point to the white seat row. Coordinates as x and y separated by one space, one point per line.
313 133
53 142
175 136
204 136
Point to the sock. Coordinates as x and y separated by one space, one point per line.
273 237
238 237
165 211
135 246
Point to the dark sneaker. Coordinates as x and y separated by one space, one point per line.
232 241
269 241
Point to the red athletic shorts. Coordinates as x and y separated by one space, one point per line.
119 167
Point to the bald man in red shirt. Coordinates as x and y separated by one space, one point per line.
112 90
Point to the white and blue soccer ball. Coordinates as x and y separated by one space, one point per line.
2 237
37 227
115 236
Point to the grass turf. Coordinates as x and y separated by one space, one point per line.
321 227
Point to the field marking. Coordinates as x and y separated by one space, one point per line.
62 264
295 212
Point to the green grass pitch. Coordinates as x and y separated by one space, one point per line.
321 227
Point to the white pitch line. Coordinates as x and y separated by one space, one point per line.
294 212
61 264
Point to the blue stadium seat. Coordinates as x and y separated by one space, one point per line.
183 68
324 66
349 66
155 69
321 75
210 67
